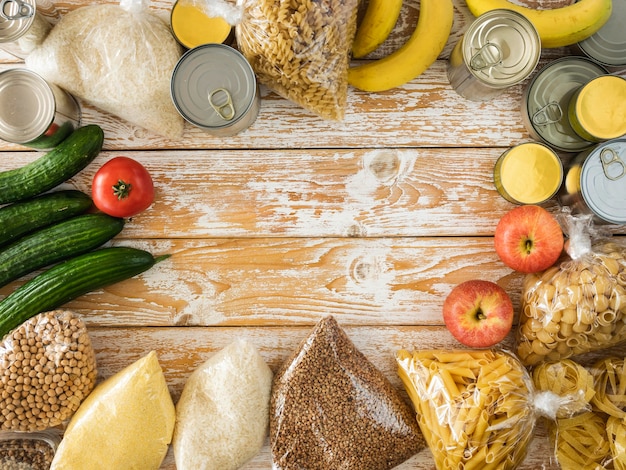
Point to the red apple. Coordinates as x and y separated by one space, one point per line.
478 313
528 239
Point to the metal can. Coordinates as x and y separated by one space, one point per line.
501 48
595 183
608 45
546 100
33 112
22 27
528 173
597 110
192 27
214 87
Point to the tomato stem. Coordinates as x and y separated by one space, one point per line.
122 189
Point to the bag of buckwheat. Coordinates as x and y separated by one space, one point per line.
118 58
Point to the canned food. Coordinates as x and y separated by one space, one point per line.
33 112
597 110
192 27
546 99
528 173
22 27
500 49
595 183
608 45
214 87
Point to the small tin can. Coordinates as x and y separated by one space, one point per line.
192 27
595 183
528 173
501 48
597 110
214 87
22 27
546 100
33 112
608 45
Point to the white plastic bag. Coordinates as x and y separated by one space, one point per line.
118 58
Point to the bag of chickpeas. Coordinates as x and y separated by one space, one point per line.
578 305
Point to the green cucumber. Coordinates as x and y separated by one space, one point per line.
20 218
70 279
58 165
55 243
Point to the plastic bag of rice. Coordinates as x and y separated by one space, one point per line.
127 422
331 408
301 49
118 58
223 413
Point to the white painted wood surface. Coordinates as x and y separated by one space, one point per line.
373 219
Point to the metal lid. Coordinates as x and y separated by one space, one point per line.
547 97
27 105
16 16
608 45
603 181
213 86
501 48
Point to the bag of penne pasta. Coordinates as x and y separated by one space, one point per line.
578 305
591 432
477 409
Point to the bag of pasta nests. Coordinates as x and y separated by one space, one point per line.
301 49
578 305
589 433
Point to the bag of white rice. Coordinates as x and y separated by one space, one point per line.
222 416
118 58
127 422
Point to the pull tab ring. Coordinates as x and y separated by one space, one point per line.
609 157
225 109
487 56
24 10
549 114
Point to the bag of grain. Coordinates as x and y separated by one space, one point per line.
578 305
332 408
126 422
118 58
223 413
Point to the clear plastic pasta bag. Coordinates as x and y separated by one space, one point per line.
477 409
47 369
301 49
592 434
578 305
118 58
331 408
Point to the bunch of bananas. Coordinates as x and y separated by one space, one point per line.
557 27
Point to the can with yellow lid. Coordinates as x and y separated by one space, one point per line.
597 110
528 173
595 183
192 27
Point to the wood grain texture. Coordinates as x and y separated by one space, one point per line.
373 220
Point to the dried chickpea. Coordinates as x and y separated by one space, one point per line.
40 387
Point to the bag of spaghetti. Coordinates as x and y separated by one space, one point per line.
477 409
590 432
578 305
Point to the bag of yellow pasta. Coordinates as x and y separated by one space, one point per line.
477 409
577 306
301 49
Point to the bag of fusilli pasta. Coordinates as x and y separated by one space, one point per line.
301 49
578 305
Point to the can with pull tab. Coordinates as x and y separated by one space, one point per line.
22 27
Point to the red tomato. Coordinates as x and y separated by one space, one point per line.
122 187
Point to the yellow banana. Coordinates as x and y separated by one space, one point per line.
557 27
379 20
418 53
